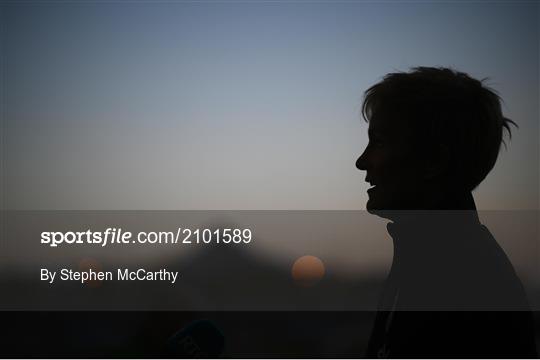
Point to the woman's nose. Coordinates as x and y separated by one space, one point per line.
361 162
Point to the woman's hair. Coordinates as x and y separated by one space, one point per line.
445 109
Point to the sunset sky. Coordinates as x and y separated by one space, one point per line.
238 105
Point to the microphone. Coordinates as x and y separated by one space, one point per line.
199 339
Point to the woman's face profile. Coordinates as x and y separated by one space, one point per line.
391 165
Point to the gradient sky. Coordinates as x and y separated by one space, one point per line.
238 105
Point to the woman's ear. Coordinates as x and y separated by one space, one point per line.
437 162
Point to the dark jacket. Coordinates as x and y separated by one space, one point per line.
451 292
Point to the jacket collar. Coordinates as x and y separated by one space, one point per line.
417 232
